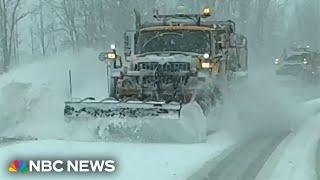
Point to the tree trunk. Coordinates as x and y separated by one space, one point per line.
5 48
42 33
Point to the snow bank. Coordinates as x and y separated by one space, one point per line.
36 109
313 106
298 156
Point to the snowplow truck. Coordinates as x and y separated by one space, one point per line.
171 74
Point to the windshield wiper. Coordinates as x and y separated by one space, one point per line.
183 52
149 53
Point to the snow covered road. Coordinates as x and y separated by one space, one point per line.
272 157
318 160
298 160
243 162
292 157
135 161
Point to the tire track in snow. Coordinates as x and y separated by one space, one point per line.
6 141
243 162
317 168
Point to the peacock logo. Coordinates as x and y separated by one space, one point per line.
18 166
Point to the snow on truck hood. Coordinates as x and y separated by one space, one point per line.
171 58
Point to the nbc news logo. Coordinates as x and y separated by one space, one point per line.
62 166
18 166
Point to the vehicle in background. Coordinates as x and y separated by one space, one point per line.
301 63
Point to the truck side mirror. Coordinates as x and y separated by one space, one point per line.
241 41
127 45
238 41
222 42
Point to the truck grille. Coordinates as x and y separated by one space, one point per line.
146 66
167 67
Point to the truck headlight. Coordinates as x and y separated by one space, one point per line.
207 11
205 65
276 62
111 55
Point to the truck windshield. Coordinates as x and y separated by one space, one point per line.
174 41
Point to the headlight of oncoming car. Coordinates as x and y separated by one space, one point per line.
305 61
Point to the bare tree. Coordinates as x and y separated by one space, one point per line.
306 26
9 21
41 29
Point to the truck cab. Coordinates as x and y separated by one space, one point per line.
181 50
